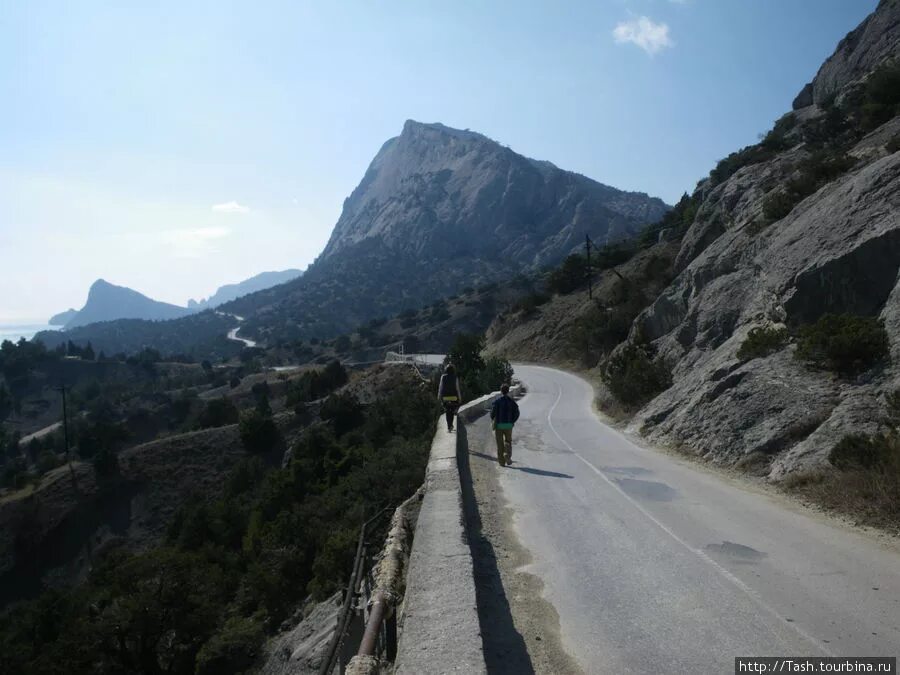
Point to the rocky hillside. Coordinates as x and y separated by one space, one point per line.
438 210
812 230
778 338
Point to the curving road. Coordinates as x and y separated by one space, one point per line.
233 333
658 566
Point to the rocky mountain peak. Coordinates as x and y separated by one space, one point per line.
435 131
434 187
106 302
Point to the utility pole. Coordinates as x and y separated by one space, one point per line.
62 390
587 247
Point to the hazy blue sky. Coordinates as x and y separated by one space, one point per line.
176 146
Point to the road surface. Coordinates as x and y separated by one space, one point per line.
39 434
658 566
233 333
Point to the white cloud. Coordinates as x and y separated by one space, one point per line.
230 207
194 242
645 33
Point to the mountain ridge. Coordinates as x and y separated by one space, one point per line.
258 282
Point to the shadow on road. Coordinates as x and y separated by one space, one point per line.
504 646
523 469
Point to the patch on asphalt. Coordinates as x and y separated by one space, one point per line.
646 489
736 552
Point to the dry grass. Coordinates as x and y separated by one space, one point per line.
755 463
871 496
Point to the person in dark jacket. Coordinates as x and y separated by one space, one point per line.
504 414
450 394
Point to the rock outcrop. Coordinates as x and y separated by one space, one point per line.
872 42
836 251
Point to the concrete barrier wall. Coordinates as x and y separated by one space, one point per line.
440 632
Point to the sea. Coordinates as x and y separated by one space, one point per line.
16 331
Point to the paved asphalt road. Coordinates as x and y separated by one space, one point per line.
657 566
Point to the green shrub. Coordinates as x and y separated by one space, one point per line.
343 411
602 328
231 650
819 169
883 85
315 384
752 154
612 255
882 96
465 355
106 462
867 452
529 304
678 220
827 128
762 341
47 461
844 343
568 277
15 473
477 375
635 376
756 226
342 343
496 372
218 413
438 313
778 204
258 432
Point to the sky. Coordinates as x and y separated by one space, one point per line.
172 147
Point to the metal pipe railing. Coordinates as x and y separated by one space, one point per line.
379 607
346 613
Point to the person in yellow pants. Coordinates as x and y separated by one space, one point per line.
450 394
504 414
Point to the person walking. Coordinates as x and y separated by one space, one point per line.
450 394
504 413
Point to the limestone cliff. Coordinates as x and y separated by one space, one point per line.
808 225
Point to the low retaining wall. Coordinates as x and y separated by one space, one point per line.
439 615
